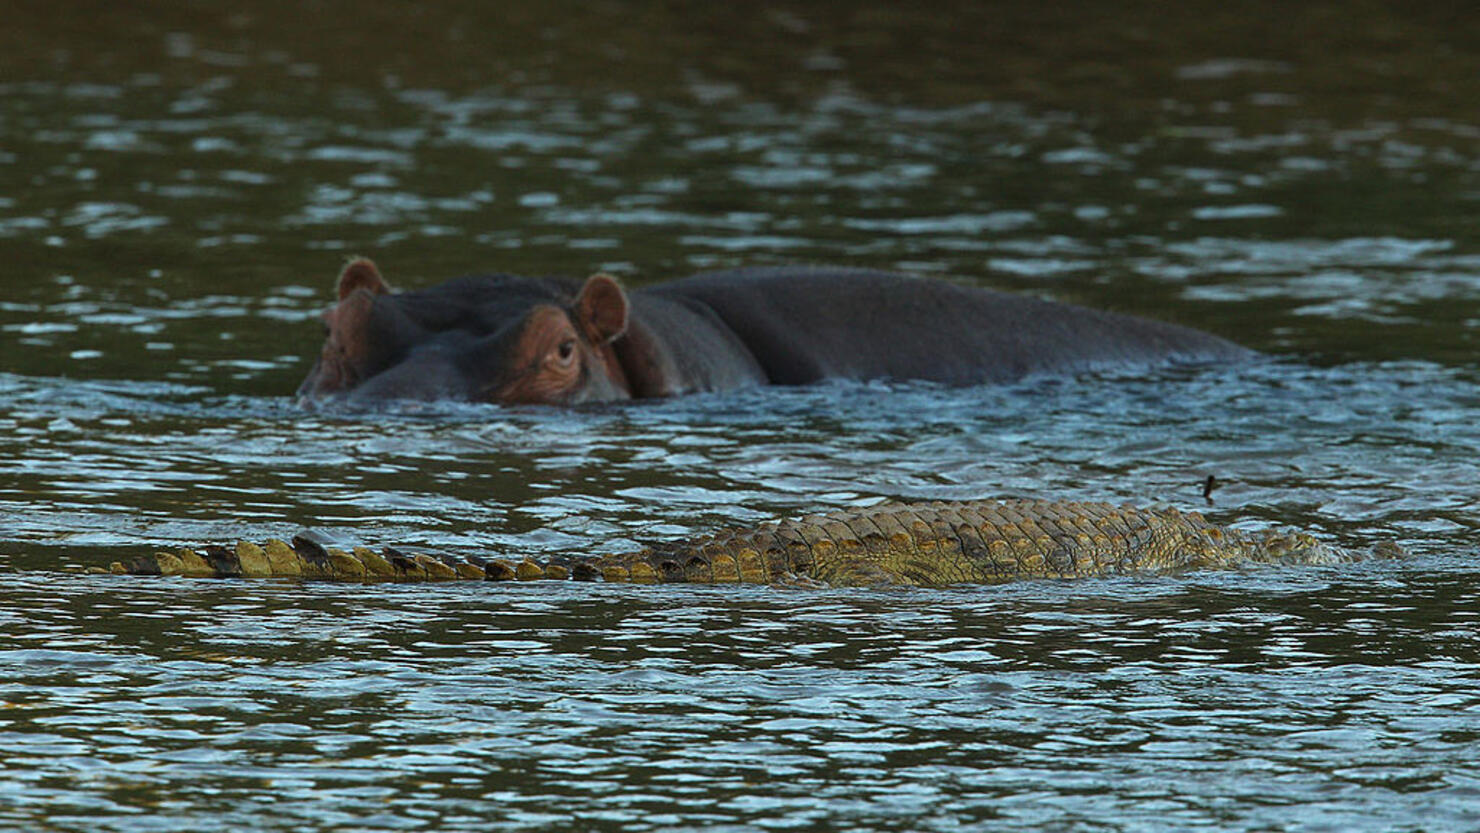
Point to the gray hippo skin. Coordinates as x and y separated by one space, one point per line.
511 339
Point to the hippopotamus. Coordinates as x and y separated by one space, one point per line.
511 339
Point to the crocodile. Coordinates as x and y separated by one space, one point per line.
924 544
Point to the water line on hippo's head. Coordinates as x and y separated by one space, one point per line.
435 370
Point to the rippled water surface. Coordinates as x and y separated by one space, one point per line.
179 188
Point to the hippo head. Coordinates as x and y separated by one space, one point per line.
492 338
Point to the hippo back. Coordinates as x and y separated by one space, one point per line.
804 324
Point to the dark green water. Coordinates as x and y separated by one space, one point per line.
178 187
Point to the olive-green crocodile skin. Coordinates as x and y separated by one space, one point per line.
969 542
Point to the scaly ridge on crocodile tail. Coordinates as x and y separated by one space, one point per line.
1071 549
895 553
1112 532
1040 546
432 566
724 564
1154 543
1057 563
854 563
313 555
985 553
874 556
1116 535
897 525
643 566
1116 525
829 562
253 560
1092 545
1162 540
822 548
1129 539
706 560
1055 546
473 569
889 518
1091 539
683 561
851 551
789 551
1021 539
1064 554
281 559
941 545
608 567
978 541
693 562
223 561
181 562
939 550
699 566
1095 526
847 550
634 567
921 532
910 543
1140 536
757 554
376 565
1033 547
996 548
1143 543
760 554
898 541
976 557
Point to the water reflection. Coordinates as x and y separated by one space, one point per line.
1014 706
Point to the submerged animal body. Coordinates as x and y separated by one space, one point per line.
928 544
512 339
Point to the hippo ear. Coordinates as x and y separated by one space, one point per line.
602 308
361 273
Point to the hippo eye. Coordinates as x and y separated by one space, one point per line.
567 349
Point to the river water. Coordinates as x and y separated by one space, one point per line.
179 188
